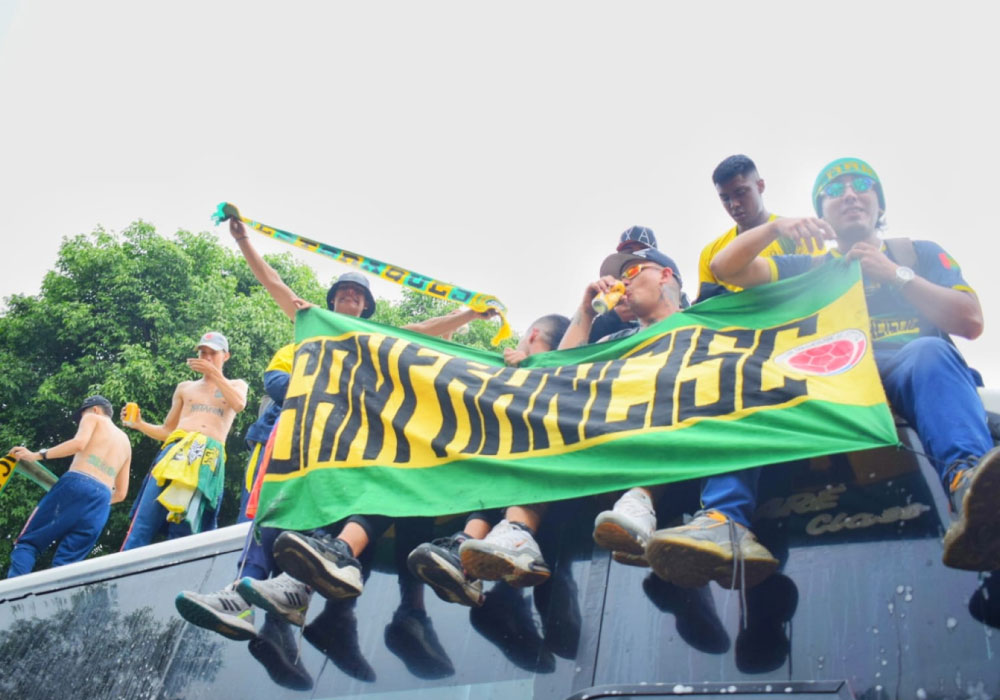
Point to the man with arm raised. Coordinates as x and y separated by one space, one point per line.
193 455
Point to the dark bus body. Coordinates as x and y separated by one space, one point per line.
861 607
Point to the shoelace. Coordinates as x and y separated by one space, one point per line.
952 475
739 565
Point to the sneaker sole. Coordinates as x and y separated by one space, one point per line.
973 542
292 616
629 559
692 563
300 562
450 586
614 536
278 667
205 617
489 564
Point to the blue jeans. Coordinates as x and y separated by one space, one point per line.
150 518
73 514
927 383
257 558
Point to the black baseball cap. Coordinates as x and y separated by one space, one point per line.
358 279
614 264
90 402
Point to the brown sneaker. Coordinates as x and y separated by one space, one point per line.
973 541
691 555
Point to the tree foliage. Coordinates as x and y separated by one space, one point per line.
119 315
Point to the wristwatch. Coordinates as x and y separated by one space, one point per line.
43 453
903 275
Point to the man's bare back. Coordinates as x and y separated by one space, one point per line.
106 456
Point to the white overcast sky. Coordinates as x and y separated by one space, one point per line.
498 146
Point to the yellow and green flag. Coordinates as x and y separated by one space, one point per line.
379 420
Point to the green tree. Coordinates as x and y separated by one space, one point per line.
118 316
415 307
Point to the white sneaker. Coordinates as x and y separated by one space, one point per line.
508 553
282 595
627 527
224 612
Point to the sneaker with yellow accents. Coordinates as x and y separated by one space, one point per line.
711 547
224 612
973 540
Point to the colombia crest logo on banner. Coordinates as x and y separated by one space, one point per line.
827 356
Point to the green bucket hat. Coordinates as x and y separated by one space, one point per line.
843 166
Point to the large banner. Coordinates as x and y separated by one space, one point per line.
383 421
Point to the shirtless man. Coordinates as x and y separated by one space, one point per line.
192 457
75 510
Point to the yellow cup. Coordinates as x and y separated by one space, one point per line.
131 412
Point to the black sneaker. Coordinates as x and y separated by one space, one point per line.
325 563
973 541
411 637
984 605
762 646
698 623
276 650
558 603
505 619
438 565
335 633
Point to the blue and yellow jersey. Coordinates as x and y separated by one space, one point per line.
709 285
276 377
894 320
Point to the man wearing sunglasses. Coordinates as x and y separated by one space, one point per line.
653 289
913 311
621 317
740 190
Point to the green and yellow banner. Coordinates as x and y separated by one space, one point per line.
379 420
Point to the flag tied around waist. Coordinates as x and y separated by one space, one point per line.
384 421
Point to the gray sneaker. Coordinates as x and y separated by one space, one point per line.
282 595
711 547
973 540
225 612
627 527
508 553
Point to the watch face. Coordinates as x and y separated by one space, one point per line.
903 275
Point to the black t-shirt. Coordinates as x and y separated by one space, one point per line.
608 323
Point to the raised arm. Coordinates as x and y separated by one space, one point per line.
158 432
265 274
582 321
449 323
740 264
234 391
